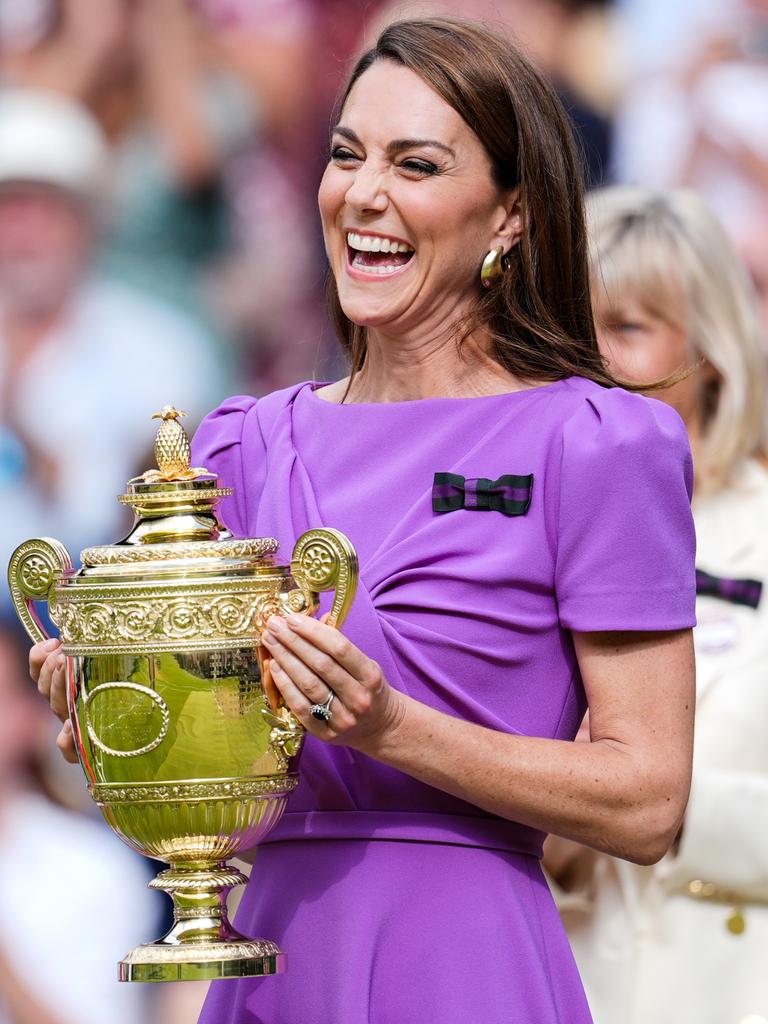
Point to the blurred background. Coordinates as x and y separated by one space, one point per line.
159 161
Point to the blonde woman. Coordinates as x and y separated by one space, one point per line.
685 940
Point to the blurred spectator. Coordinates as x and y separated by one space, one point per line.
696 112
685 939
84 361
214 110
572 43
73 898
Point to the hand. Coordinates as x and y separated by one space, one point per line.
309 659
47 668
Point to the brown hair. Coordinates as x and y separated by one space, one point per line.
539 313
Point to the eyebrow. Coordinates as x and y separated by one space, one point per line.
397 145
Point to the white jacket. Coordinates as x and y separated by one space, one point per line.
662 944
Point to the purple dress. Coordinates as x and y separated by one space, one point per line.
393 901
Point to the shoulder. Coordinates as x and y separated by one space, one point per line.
242 419
605 426
621 415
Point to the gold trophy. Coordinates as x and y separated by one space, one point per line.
186 746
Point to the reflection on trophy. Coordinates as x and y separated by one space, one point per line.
185 744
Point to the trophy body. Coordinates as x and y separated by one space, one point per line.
186 746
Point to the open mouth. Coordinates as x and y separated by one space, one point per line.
377 255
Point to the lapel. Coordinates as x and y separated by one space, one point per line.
731 542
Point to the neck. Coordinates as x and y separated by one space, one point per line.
431 365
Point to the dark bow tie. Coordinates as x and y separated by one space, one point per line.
747 592
510 494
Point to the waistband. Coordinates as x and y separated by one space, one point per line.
413 826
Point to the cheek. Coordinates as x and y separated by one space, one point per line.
330 195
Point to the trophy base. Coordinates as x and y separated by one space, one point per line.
202 945
204 961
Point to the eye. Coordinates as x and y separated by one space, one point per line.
423 168
343 155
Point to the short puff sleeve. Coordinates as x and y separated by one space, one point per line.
218 447
625 536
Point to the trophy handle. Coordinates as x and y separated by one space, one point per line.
34 568
324 559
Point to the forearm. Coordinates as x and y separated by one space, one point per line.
173 79
598 793
20 1001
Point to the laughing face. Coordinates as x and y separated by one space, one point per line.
408 205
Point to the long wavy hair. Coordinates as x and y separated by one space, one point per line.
538 314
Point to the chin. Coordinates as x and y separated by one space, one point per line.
365 313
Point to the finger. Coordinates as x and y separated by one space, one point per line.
332 642
270 690
51 664
38 655
311 685
299 705
65 741
320 664
58 692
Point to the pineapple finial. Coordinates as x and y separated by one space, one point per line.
168 412
172 449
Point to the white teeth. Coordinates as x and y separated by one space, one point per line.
373 243
388 269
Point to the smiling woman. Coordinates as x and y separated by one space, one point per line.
403 882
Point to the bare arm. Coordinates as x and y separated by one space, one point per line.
624 792
21 1001
80 54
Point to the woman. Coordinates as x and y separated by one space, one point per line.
686 939
404 881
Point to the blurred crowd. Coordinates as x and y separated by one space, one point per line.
159 243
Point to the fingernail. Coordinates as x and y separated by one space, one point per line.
51 644
268 639
60 661
275 623
294 620
67 727
275 669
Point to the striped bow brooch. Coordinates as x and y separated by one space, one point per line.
746 592
510 494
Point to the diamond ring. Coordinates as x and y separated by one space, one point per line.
322 712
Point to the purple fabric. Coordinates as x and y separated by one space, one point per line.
395 901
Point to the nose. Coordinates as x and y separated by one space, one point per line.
367 191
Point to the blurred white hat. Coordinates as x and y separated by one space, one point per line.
50 139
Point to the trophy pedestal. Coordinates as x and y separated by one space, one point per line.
202 945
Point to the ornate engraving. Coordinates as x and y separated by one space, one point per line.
162 498
33 569
202 952
114 555
180 792
324 559
132 688
286 735
212 877
144 619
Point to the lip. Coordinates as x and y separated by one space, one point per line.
360 275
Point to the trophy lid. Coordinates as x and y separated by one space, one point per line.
175 512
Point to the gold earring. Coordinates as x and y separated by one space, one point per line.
493 266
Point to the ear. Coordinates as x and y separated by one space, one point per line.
509 222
